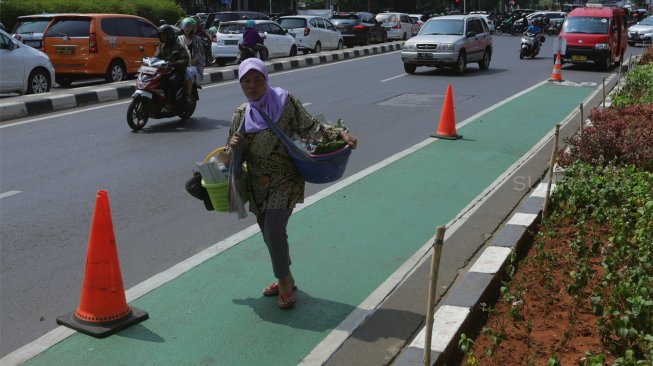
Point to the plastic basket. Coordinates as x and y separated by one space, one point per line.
324 168
218 195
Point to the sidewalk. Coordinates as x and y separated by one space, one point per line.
35 104
346 244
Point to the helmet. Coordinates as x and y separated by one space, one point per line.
168 33
188 23
162 22
249 24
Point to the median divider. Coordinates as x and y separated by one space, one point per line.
36 104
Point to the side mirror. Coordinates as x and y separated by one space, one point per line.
471 34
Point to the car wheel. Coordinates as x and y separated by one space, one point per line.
484 64
462 61
405 37
631 43
115 72
410 68
38 82
63 82
607 63
293 51
340 45
318 48
498 31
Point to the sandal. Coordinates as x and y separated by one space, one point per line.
286 301
273 289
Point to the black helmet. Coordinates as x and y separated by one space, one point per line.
168 33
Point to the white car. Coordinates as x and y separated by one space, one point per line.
224 47
398 25
24 70
312 33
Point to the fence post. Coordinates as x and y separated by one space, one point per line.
551 165
433 280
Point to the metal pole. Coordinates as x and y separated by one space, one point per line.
551 165
433 280
582 117
603 92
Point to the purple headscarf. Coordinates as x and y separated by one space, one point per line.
272 102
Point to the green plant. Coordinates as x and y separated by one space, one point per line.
466 345
638 88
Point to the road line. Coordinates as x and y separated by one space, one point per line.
306 104
394 77
340 333
9 193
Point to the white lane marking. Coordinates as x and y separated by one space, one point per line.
50 116
394 77
9 193
334 339
306 104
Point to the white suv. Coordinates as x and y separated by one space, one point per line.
312 33
398 25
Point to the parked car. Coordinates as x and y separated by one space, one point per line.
24 70
359 28
642 32
398 25
453 40
29 29
418 19
312 33
230 34
92 45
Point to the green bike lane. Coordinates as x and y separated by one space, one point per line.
343 246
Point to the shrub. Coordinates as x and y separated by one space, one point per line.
638 88
647 55
617 137
153 10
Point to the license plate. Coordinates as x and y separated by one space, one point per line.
35 44
231 42
424 55
578 58
147 70
64 50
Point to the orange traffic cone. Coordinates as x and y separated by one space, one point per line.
556 75
102 309
447 126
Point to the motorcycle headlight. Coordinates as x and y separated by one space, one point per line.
602 46
446 47
410 46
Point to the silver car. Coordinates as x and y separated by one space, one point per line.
454 41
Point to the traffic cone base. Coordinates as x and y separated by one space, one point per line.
102 329
447 126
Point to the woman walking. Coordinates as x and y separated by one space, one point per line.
275 186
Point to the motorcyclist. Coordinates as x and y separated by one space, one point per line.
195 48
174 52
253 40
536 29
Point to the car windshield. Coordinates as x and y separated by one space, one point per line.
647 21
443 26
31 26
387 18
233 28
290 23
588 25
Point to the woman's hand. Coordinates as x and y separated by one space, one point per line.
234 140
349 139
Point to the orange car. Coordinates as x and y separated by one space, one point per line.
91 45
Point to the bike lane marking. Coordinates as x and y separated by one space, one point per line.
376 250
9 193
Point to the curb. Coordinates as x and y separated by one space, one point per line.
461 310
37 104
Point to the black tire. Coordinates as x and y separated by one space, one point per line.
115 72
498 31
188 111
293 51
521 55
63 82
137 113
38 82
340 45
462 61
484 64
405 37
318 48
410 68
607 63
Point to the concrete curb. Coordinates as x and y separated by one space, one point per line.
461 310
32 105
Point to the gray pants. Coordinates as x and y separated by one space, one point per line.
273 224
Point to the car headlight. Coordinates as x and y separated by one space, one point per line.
410 46
602 46
446 47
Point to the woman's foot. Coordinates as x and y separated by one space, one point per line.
273 289
286 300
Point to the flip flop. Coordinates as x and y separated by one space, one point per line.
273 289
286 301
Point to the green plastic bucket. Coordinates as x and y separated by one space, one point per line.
218 195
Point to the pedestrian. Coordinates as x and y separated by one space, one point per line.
275 186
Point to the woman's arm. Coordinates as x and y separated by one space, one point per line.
234 137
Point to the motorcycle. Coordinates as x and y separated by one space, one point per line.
530 45
519 26
149 98
245 52
554 28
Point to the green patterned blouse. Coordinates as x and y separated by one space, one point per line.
274 182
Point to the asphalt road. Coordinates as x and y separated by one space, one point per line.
58 162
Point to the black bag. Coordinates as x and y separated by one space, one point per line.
195 189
